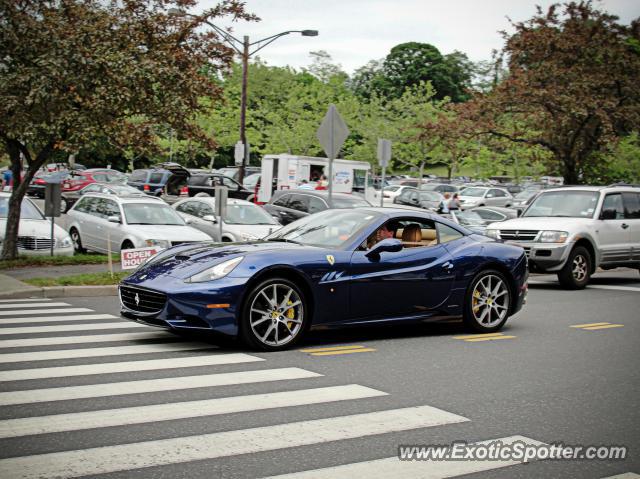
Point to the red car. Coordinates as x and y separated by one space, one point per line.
77 180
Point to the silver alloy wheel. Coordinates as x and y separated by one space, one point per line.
490 301
579 268
63 205
276 314
75 239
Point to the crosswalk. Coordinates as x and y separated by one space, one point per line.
73 354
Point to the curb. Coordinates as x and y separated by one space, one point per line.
61 292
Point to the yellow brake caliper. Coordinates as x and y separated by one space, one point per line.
474 303
290 314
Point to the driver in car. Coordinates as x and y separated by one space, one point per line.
387 230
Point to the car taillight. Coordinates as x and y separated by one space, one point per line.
184 191
146 188
40 181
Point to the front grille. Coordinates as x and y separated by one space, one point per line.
142 300
34 243
518 235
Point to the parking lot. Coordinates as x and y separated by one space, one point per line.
562 371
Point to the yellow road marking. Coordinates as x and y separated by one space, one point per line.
473 336
476 340
606 326
588 325
335 348
348 351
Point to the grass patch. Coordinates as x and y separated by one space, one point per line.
88 279
25 261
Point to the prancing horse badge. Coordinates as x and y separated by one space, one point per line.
331 259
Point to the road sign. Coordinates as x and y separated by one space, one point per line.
332 132
238 153
384 152
132 258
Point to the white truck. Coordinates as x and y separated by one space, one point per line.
282 172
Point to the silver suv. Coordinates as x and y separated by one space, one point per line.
572 231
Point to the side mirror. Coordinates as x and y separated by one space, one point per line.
210 218
114 219
390 245
609 214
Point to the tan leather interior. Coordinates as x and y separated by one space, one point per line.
429 236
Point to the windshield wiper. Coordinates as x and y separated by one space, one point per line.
284 240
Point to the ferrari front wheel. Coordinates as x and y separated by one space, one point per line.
488 302
274 316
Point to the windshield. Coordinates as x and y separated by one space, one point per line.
526 194
353 202
392 188
569 204
477 192
247 215
151 214
328 229
468 218
430 196
28 211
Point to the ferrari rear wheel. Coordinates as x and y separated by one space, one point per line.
488 302
274 315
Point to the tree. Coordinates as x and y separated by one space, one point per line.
572 82
323 68
73 71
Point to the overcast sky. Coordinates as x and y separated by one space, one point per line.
356 31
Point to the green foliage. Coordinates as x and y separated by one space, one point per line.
86 279
619 162
27 261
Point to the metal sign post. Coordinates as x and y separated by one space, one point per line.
222 193
384 156
52 198
331 134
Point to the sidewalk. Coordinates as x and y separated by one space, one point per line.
11 288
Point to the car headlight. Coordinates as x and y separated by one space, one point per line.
216 272
553 236
492 234
66 242
160 243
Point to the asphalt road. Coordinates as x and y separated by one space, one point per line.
545 380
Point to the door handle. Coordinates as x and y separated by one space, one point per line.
624 226
448 265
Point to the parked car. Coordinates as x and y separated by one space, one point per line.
233 172
485 196
163 180
440 188
571 231
289 205
393 191
477 219
429 200
40 180
251 182
78 179
522 199
243 221
97 220
322 272
34 230
204 184
68 198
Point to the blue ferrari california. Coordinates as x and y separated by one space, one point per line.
331 269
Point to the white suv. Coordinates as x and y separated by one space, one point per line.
572 231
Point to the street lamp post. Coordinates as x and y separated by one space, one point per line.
243 48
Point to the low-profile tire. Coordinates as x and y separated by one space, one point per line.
77 241
487 302
275 315
576 272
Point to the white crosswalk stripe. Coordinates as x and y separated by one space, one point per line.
626 475
61 328
29 300
93 338
45 311
394 467
125 457
100 352
58 319
152 385
31 305
181 410
210 359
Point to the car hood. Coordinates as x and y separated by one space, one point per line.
186 260
37 228
469 198
259 231
541 223
168 232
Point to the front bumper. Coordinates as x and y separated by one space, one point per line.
545 257
211 306
67 251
